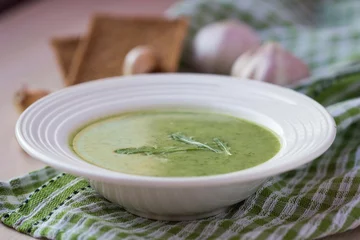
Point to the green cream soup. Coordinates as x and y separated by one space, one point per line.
174 143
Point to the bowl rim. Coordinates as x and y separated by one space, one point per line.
246 175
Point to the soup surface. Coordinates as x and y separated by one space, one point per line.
174 143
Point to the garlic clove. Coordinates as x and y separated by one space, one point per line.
252 61
242 63
245 65
267 62
141 59
271 63
25 97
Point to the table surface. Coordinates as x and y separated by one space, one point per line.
25 57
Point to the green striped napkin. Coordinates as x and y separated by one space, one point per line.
316 200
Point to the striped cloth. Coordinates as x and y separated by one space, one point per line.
316 200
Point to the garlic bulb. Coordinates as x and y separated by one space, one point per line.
270 63
216 46
141 59
25 97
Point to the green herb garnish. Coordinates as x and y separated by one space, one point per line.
222 145
155 150
180 138
189 140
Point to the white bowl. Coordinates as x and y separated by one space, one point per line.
303 126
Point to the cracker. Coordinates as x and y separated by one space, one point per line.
102 53
64 49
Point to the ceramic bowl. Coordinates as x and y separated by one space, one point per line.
304 128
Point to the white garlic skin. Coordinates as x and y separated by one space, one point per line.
270 63
141 59
217 45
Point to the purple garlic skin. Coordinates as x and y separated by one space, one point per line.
217 45
270 63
